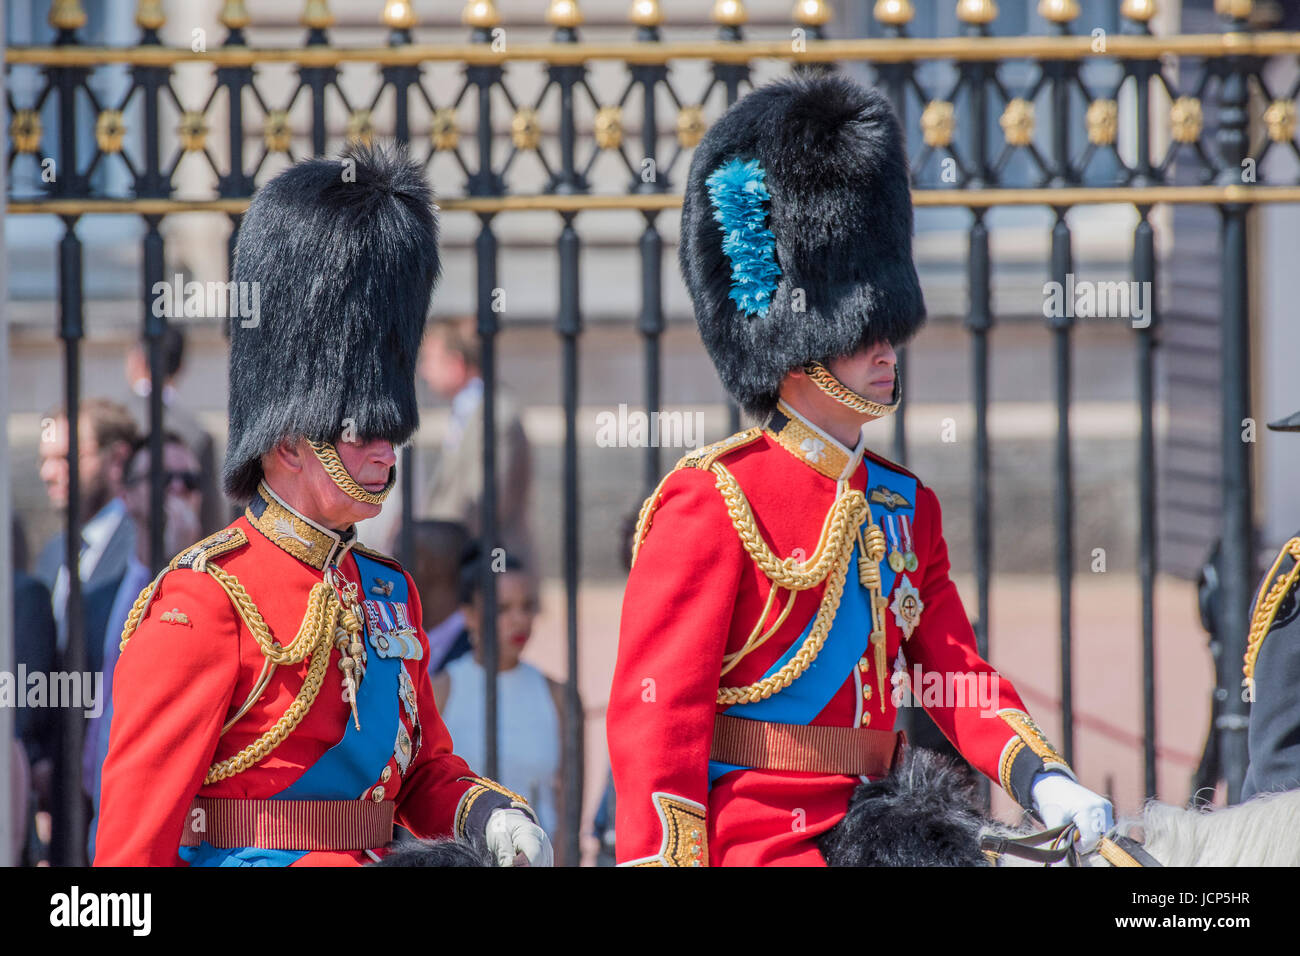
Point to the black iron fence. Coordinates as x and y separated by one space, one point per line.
1019 121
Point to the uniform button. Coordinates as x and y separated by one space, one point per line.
863 664
866 692
866 718
388 772
695 834
377 795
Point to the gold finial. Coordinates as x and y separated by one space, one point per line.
1234 9
1017 122
149 14
1058 11
233 15
67 15
193 131
443 133
525 128
895 13
729 13
399 15
812 13
978 12
1280 118
564 13
1102 120
110 131
1138 10
608 128
480 13
1187 119
690 126
938 121
316 15
646 13
275 131
360 128
25 130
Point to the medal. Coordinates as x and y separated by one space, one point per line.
896 560
909 556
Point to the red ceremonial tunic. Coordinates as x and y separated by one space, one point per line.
192 662
696 593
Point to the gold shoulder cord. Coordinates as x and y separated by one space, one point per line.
1276 586
319 625
842 527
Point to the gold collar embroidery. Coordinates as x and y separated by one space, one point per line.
809 443
292 532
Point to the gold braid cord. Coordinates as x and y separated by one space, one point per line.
313 639
829 563
1276 586
333 464
832 386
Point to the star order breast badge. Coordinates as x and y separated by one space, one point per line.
907 607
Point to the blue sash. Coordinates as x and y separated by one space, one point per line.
350 767
849 638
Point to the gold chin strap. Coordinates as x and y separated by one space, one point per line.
333 465
832 386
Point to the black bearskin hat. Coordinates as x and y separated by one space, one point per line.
345 256
796 240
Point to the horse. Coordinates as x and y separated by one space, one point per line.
926 813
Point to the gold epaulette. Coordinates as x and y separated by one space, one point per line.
195 557
1277 585
696 458
706 456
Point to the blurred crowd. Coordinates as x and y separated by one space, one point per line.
115 565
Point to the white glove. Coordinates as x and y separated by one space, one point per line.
511 832
1058 800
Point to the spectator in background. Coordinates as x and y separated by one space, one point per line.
106 434
34 727
531 727
449 365
182 505
439 547
177 418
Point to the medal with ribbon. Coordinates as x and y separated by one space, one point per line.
896 562
909 554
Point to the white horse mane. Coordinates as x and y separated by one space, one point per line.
1264 831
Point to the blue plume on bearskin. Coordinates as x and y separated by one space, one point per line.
829 155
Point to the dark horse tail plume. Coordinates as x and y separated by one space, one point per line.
925 813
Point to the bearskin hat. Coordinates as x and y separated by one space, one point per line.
344 254
796 240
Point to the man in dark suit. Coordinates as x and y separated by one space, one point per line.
107 432
105 436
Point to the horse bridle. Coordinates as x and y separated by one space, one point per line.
1117 850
